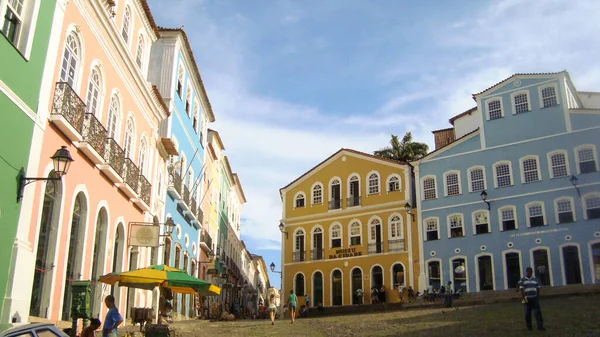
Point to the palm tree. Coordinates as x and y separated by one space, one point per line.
405 150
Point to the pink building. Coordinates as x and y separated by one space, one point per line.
103 109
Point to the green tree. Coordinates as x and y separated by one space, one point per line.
403 150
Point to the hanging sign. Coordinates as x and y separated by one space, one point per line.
143 235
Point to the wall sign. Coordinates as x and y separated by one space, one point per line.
348 252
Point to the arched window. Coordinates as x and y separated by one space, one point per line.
335 201
452 182
188 99
586 159
455 226
592 206
494 109
393 183
126 24
299 246
93 92
398 276
113 117
355 233
142 156
317 194
71 57
476 179
98 260
139 55
336 236
299 202
559 166
299 284
373 183
481 222
396 240
432 229
564 210
536 216
196 115
129 134
180 76
375 237
429 189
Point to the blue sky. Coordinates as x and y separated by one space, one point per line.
291 82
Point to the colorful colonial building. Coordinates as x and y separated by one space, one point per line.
346 226
514 183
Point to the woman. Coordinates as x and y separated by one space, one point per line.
272 308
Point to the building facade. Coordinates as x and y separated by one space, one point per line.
106 113
27 28
346 227
514 184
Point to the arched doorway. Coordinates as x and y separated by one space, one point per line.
512 261
486 272
118 250
376 278
133 265
398 277
98 260
44 263
596 262
541 266
336 287
73 272
317 287
570 255
356 284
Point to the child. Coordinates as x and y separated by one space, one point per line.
89 331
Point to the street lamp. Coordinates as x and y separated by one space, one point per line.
62 162
282 230
169 226
272 266
574 183
408 208
484 198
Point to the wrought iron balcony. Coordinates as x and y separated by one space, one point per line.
200 215
145 190
94 139
205 241
194 207
68 111
131 177
299 256
114 157
175 184
335 204
186 195
376 248
353 201
317 254
396 245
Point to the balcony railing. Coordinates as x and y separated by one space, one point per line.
335 204
131 174
175 180
194 207
396 245
68 105
298 256
353 201
376 248
145 190
114 156
205 237
94 133
200 215
186 195
316 254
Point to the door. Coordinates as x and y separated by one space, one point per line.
376 279
541 266
356 284
596 262
336 287
300 245
354 194
317 288
486 273
318 245
513 270
378 238
571 263
335 196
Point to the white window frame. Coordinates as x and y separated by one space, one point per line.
510 173
374 221
129 150
140 53
387 183
582 147
434 183
522 169
180 79
462 219
130 24
556 93
487 107
189 96
500 219
437 221
341 237
99 87
297 197
350 236
489 225
312 194
550 167
349 180
470 179
528 215
26 30
399 230
514 105
570 200
584 202
446 174
143 155
79 58
378 183
299 229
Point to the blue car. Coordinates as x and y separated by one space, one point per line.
33 330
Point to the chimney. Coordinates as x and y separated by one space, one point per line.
443 137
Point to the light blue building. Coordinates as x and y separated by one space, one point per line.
183 137
514 183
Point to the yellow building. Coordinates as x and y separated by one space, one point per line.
345 227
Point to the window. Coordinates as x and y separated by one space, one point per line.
299 242
317 194
142 156
126 24
503 174
70 61
455 223
452 184
300 200
592 206
180 75
494 109
395 227
299 283
113 117
431 227
530 170
13 20
521 102
564 210
196 114
535 215
393 183
373 183
129 134
139 55
558 164
429 191
93 92
481 222
586 158
188 100
355 234
508 218
477 180
336 236
548 96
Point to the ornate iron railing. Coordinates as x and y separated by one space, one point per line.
376 248
396 245
114 156
353 201
299 256
132 174
68 104
145 189
200 215
175 180
194 207
186 195
205 237
335 204
94 133
316 254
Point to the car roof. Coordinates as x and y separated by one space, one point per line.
20 327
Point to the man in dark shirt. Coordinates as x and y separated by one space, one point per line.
530 291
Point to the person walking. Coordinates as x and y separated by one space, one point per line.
448 295
307 301
530 291
272 308
292 301
113 318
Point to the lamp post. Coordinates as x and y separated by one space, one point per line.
574 183
408 208
282 229
484 198
62 162
280 285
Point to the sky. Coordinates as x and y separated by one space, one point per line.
292 82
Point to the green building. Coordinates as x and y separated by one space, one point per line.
26 27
